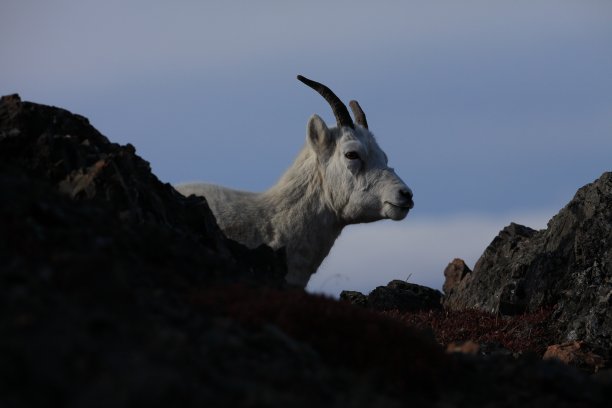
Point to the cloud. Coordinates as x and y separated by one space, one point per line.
417 250
77 43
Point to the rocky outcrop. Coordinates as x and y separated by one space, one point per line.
397 295
567 266
117 291
454 274
58 172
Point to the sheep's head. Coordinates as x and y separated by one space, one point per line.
356 177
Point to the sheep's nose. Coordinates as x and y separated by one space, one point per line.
406 194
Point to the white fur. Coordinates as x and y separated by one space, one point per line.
321 193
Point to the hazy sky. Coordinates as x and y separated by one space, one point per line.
491 111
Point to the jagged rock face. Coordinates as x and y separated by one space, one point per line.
491 285
69 192
567 266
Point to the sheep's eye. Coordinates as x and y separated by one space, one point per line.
352 155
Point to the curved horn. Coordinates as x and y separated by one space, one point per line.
358 113
342 115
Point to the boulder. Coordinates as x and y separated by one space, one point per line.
454 274
354 297
567 267
490 287
576 353
397 295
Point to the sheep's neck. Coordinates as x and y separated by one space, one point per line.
303 221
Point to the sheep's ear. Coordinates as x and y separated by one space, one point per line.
318 136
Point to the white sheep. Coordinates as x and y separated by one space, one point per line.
340 177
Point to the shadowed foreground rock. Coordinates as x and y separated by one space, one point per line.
567 266
115 291
59 173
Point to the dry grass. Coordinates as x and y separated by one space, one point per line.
530 332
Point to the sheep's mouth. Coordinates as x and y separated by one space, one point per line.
403 207
396 212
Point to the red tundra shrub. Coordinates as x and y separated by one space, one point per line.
342 334
528 332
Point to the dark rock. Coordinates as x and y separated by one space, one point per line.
397 295
405 297
491 291
567 266
354 297
58 172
